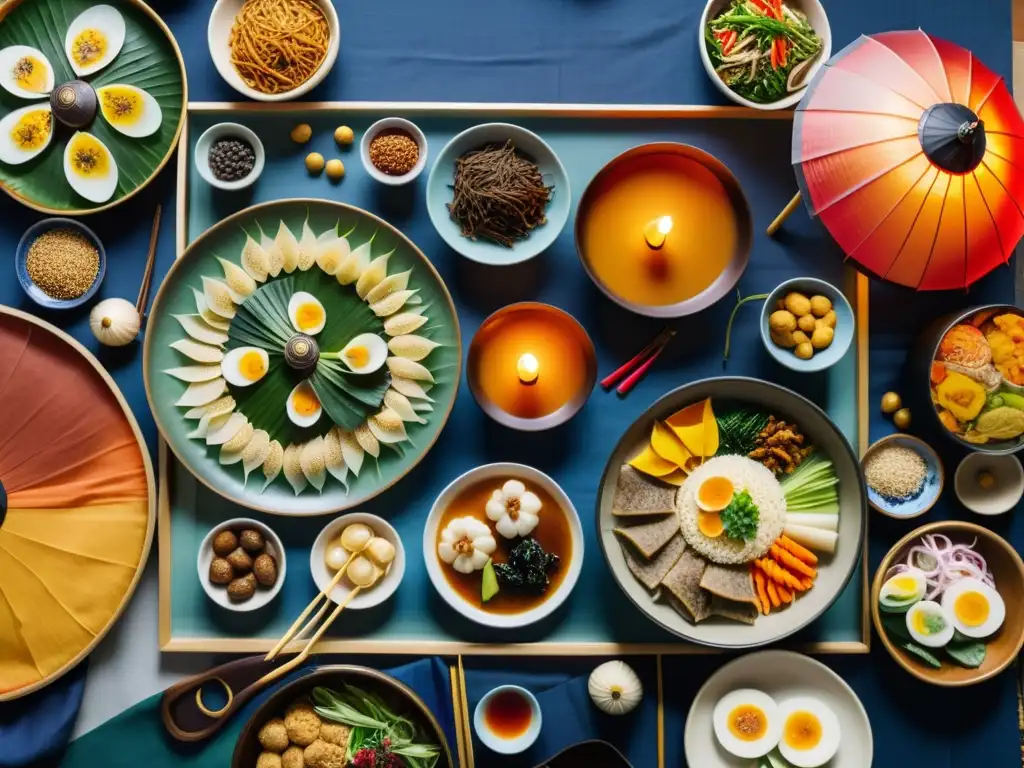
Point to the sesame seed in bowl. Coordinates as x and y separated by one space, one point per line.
903 476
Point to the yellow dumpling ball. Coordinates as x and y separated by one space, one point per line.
301 133
335 169
314 162
344 135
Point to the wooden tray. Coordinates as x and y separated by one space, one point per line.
598 619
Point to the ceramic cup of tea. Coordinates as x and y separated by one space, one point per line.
507 720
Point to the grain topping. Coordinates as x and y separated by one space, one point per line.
896 472
63 263
394 152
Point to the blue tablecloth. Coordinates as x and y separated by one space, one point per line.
610 51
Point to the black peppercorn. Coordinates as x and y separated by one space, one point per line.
231 159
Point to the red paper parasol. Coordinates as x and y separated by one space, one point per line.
911 152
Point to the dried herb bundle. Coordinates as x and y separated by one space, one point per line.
499 195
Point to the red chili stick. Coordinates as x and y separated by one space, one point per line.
612 378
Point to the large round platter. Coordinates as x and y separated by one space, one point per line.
178 297
149 59
77 503
833 572
782 675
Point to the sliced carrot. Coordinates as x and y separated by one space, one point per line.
778 9
791 562
775 55
807 584
797 550
782 52
773 594
762 596
780 575
784 594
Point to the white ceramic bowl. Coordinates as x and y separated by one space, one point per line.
393 123
228 131
500 473
494 742
219 594
817 18
218 32
323 576
1009 488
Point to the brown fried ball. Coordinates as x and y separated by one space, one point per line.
804 350
273 736
335 733
252 541
822 337
798 304
302 723
240 561
807 323
782 321
265 569
220 571
320 754
820 306
242 588
292 758
269 760
224 543
800 337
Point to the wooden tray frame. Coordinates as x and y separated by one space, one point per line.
856 289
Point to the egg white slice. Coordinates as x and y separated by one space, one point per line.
901 591
742 747
97 184
975 609
930 624
365 353
306 313
25 58
824 744
240 370
130 110
94 38
303 391
12 149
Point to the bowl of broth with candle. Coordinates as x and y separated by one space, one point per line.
664 230
503 545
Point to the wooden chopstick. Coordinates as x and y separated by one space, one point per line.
293 630
147 276
656 343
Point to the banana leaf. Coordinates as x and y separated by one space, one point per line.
262 321
148 60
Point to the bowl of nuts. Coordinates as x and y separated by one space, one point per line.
229 156
807 324
241 564
393 151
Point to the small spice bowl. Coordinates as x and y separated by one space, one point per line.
36 293
507 719
842 334
228 131
323 576
989 484
218 593
388 126
931 488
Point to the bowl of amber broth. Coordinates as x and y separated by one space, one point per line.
507 719
503 545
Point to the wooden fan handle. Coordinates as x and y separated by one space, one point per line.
187 717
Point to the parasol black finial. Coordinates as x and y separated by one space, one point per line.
952 137
3 503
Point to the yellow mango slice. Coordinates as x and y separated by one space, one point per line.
667 445
710 431
676 478
696 427
652 464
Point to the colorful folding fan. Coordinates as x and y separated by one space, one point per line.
911 152
77 503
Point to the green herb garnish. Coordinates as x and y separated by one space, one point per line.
738 430
926 656
967 653
741 517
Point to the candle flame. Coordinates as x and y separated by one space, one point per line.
528 368
657 231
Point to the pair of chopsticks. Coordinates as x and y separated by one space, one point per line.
637 367
147 276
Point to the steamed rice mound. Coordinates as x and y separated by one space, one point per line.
766 492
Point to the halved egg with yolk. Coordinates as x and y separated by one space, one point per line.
715 493
710 524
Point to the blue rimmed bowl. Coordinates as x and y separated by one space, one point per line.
844 330
931 488
21 262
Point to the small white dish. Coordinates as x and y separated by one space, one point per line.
496 743
323 576
228 131
219 594
817 18
500 473
1006 491
218 33
393 124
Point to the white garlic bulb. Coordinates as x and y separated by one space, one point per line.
115 322
615 688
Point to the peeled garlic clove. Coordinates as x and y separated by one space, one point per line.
114 322
615 688
335 557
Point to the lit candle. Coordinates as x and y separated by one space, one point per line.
528 368
657 231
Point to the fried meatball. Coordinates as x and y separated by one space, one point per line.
241 589
804 350
799 337
820 306
303 724
822 337
220 571
807 323
320 754
798 304
251 541
265 569
224 543
782 321
240 561
269 760
292 758
273 736
335 733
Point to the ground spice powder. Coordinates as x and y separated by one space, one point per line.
63 263
394 152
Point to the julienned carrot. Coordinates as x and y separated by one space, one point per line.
775 55
762 595
780 575
797 550
773 595
784 594
782 52
791 562
807 584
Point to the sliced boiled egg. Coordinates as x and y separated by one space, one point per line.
976 609
810 732
710 524
90 168
25 72
25 132
243 366
303 405
901 591
306 313
130 110
715 493
366 353
94 38
747 723
929 624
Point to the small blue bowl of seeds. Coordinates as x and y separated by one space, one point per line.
60 263
903 476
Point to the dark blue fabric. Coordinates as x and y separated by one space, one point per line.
40 722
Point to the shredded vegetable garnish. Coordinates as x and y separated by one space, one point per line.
943 562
